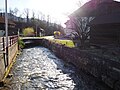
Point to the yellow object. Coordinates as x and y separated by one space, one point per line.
57 33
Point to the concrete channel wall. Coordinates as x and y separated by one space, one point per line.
12 52
103 69
2 67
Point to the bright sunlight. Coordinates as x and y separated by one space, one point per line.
58 10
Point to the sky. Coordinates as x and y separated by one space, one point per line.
58 10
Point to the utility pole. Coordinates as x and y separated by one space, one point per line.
6 30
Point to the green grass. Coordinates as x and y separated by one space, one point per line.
21 43
68 43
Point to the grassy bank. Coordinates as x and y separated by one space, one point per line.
68 43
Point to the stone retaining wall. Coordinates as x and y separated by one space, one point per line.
104 69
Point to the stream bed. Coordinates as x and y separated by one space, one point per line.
38 68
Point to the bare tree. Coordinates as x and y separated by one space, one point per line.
33 14
41 15
82 29
15 11
26 13
48 20
11 11
81 2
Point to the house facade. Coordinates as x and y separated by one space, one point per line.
70 28
105 27
81 12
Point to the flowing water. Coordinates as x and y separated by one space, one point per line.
38 68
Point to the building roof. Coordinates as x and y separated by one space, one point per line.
66 22
106 19
84 10
95 8
2 20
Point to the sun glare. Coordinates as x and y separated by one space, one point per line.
59 9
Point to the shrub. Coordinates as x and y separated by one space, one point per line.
28 31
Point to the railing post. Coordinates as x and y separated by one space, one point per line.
3 41
7 59
10 41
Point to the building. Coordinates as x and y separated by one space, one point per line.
13 17
93 8
105 27
70 28
83 11
11 27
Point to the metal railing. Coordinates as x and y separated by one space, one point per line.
3 48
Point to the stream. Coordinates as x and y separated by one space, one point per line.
38 68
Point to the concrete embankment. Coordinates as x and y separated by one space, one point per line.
6 64
104 69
